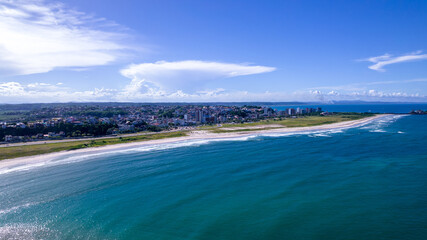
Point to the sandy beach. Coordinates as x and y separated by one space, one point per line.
193 135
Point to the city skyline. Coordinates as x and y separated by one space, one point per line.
219 51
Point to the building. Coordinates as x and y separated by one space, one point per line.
266 111
8 138
199 115
291 111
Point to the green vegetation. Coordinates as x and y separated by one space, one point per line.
306 121
29 150
12 115
69 129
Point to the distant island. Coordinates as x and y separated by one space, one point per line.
418 112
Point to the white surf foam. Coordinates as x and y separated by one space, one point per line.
320 135
79 157
313 133
379 125
378 130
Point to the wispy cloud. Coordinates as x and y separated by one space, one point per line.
188 76
38 36
387 59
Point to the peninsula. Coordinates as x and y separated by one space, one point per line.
230 130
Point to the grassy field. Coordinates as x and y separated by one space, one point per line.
29 150
290 122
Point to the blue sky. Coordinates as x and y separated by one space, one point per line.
192 51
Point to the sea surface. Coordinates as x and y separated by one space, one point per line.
372 108
367 182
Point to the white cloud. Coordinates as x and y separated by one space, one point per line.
13 92
387 59
361 86
368 95
190 76
150 82
37 37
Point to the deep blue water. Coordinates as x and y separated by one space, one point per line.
368 182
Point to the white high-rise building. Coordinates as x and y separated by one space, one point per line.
199 115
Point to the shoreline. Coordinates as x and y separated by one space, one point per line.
194 135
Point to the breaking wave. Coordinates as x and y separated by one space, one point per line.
379 125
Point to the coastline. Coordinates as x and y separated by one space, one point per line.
194 135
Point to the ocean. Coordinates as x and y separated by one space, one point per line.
367 182
372 108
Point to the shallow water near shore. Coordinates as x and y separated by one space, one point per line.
368 182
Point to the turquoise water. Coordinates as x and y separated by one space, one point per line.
368 182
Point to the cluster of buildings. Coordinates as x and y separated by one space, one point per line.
38 136
298 111
138 118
